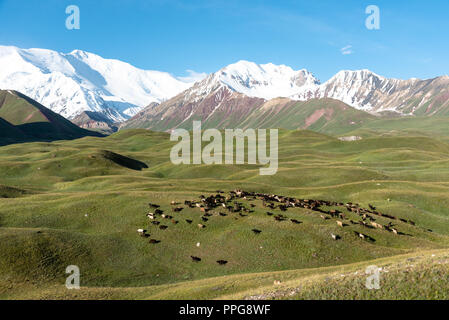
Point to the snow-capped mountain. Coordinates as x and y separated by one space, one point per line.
242 89
265 81
84 87
80 81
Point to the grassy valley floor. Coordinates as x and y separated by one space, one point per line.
80 203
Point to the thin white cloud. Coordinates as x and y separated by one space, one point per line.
193 76
346 50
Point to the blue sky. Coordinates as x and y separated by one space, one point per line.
205 35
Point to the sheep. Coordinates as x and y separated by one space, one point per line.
201 226
150 216
340 224
377 225
335 236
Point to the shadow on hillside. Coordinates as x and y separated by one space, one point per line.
46 132
123 161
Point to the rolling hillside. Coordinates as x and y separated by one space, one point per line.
26 120
81 202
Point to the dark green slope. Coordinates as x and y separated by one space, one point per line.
24 119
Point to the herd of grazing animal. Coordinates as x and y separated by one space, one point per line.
232 203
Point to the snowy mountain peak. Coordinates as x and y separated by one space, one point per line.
266 81
81 81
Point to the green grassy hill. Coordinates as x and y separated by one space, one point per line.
80 202
33 122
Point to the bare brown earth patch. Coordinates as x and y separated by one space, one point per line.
314 117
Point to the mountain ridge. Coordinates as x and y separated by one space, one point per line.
79 82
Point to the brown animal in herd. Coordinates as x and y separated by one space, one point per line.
256 231
178 209
154 241
195 259
162 227
377 225
295 221
189 221
222 262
